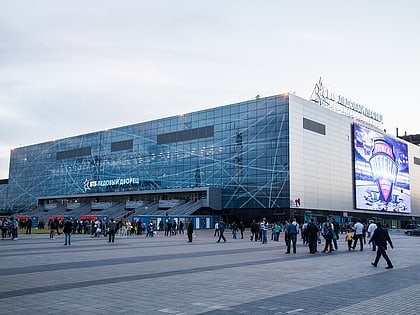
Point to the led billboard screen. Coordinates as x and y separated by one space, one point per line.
382 178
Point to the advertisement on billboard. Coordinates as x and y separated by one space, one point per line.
381 173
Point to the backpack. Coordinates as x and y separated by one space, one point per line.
292 228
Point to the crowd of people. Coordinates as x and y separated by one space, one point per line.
311 233
123 228
96 228
315 234
9 228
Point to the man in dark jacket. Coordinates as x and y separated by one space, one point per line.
67 229
336 229
381 238
311 232
112 226
222 227
29 226
291 230
190 231
255 231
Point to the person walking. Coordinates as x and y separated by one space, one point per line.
222 227
381 238
57 225
303 233
349 239
336 232
216 229
254 230
242 228
371 228
358 234
190 231
67 229
328 238
234 230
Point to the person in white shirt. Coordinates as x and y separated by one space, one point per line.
264 228
358 234
371 228
216 229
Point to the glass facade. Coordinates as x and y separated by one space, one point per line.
241 148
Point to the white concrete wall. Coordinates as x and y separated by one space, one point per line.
321 166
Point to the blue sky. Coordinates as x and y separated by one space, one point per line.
73 67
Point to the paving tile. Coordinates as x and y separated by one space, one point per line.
167 275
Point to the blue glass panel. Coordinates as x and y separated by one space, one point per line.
239 154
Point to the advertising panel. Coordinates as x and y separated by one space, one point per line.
381 173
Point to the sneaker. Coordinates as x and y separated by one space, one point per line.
373 264
389 267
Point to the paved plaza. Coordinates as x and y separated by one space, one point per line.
167 275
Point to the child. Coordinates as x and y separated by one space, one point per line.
349 238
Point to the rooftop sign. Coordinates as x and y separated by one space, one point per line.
339 103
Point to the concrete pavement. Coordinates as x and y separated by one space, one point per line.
167 275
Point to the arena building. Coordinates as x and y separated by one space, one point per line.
277 157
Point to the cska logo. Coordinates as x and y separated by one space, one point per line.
384 168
